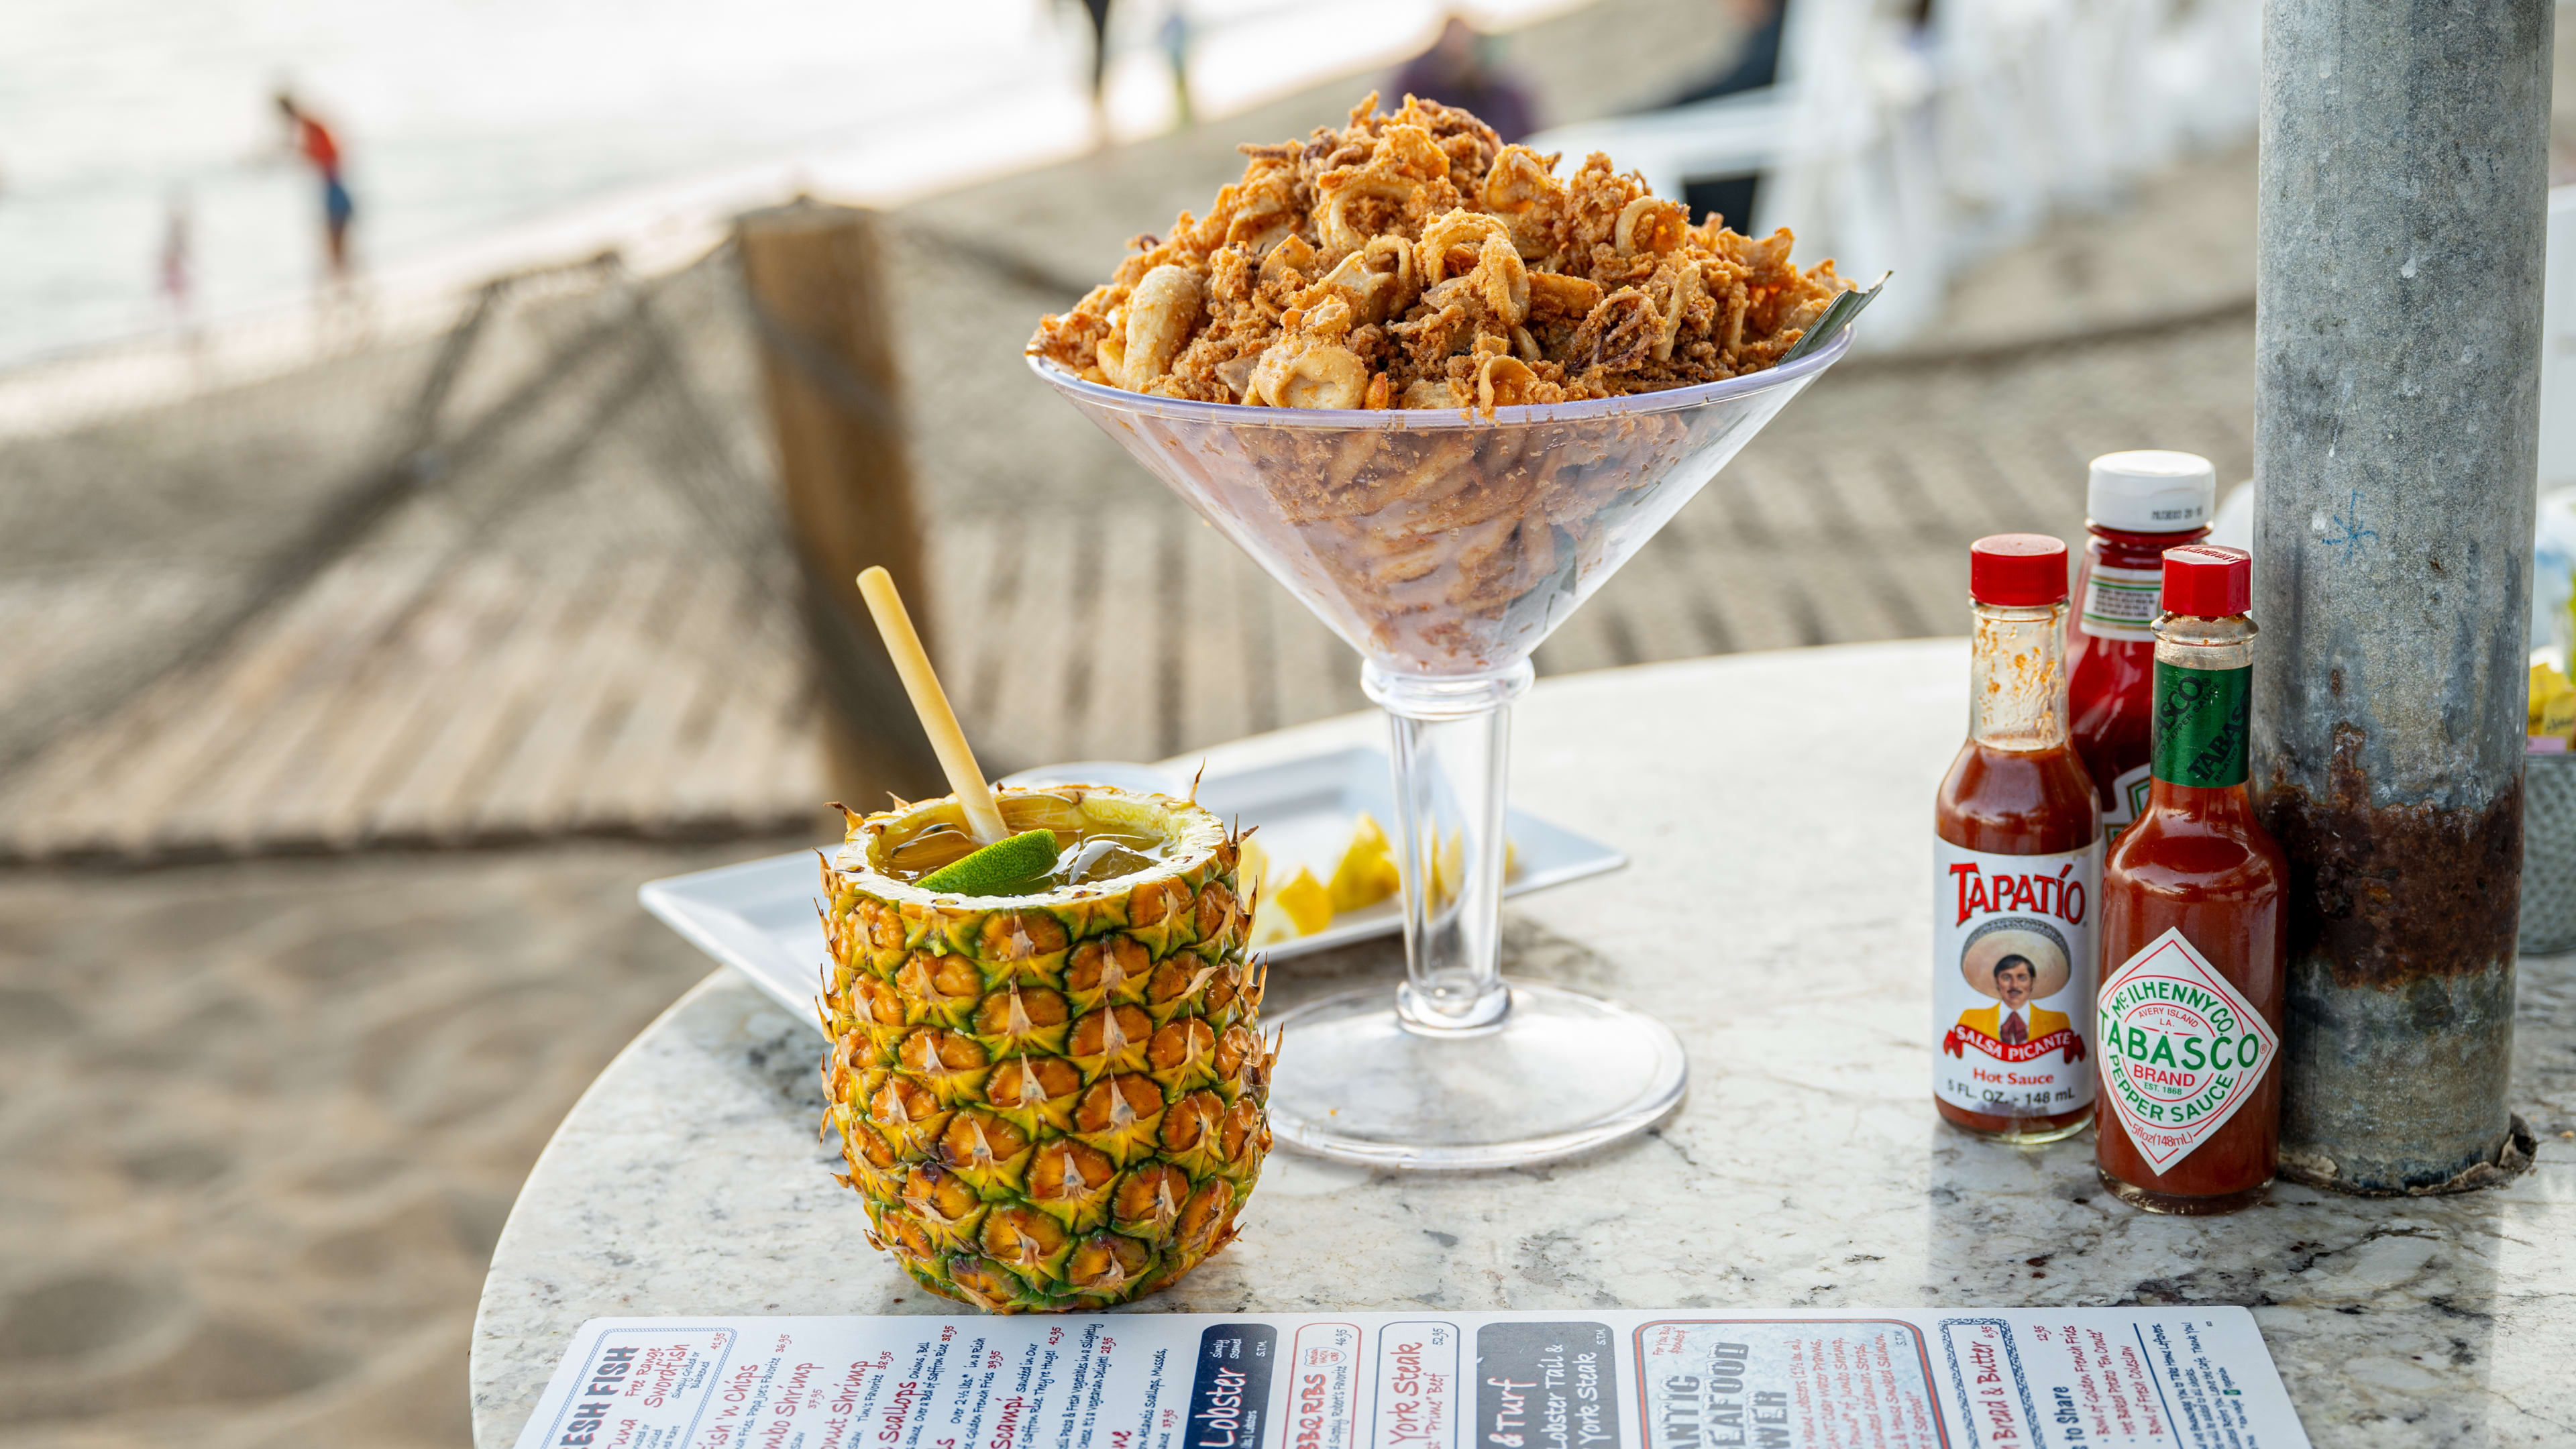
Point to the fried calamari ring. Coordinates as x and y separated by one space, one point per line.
1651 224
1265 210
1620 334
1503 382
1404 161
1501 281
1520 182
1291 255
1376 281
1160 314
1297 372
1523 190
1671 290
1329 319
1339 190
1412 151
1461 231
1562 296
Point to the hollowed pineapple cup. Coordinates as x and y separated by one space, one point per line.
1053 1101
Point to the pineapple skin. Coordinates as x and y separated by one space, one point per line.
1048 1103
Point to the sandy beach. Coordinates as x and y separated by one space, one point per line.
265 1120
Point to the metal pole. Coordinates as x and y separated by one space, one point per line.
2401 233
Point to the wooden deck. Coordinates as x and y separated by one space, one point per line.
647 685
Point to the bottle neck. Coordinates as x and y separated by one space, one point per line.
2123 549
2204 696
2017 677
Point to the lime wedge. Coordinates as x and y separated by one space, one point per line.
1005 867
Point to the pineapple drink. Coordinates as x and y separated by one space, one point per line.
1052 1098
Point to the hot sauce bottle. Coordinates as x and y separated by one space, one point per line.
2136 505
2017 863
2193 934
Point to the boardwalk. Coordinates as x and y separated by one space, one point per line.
642 683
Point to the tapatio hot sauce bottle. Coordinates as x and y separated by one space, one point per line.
2017 862
2193 935
2136 505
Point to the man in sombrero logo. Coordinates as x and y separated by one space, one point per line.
2016 962
2012 1020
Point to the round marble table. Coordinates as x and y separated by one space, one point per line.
1778 811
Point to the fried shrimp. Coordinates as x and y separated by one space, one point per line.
1413 260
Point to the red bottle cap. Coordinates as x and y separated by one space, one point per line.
2017 569
2208 580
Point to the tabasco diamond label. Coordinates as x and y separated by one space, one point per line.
2182 1049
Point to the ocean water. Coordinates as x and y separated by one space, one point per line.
462 119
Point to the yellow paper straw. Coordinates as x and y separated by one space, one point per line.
931 703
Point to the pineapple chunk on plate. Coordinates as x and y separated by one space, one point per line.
1366 873
1308 905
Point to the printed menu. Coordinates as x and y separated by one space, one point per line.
2021 1378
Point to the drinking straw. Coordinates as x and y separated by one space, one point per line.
929 701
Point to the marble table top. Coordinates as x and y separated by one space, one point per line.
1778 810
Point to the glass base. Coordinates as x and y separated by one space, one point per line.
2015 1131
1560 1073
2187 1205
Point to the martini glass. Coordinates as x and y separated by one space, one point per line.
1444 546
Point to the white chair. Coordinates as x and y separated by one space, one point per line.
1920 151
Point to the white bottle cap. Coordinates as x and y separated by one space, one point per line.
2151 491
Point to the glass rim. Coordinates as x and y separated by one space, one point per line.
1635 404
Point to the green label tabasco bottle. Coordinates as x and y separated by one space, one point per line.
2188 1118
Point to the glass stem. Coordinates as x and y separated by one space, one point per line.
1451 739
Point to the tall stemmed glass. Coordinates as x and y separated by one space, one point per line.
1444 546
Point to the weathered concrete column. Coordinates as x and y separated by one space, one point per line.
2404 185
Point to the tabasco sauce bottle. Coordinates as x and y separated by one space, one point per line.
2193 934
2017 861
2136 505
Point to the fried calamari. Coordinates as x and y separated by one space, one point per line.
1413 260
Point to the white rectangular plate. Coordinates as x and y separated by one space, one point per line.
759 917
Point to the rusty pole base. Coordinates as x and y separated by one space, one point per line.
2397 1038
2512 1160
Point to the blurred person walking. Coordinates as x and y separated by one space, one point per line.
177 267
1098 13
312 140
177 255
178 261
1458 70
1175 35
